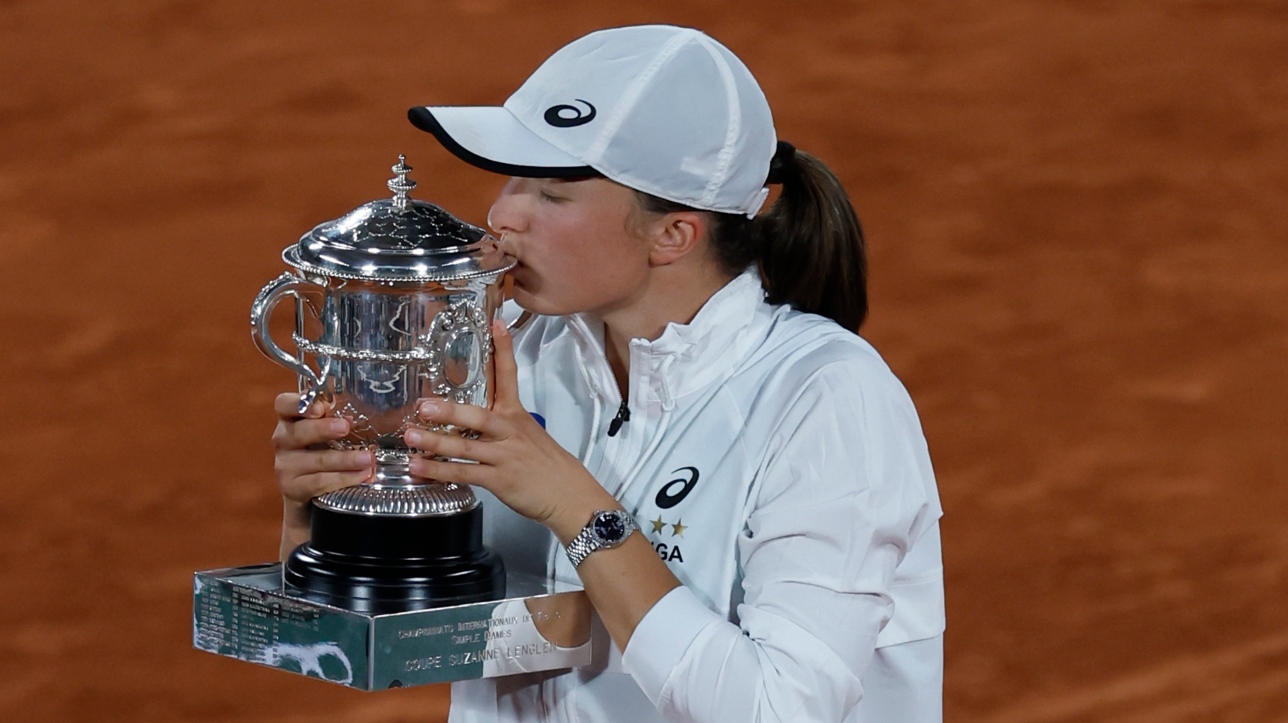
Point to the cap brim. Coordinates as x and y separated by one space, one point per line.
494 140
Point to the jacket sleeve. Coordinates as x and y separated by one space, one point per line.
842 491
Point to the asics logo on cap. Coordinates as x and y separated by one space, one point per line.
558 115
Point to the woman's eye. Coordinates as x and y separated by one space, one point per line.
545 196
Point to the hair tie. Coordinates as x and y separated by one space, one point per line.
784 156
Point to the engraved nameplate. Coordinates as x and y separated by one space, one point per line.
248 614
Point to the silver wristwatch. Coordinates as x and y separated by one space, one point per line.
607 529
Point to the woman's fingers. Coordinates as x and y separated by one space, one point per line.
507 371
304 473
287 406
302 433
308 461
491 424
467 416
450 445
307 487
444 471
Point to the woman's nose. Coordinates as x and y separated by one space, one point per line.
506 215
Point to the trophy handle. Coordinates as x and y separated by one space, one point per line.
520 321
287 284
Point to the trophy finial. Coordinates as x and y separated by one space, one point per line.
401 185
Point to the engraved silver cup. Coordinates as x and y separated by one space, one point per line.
393 303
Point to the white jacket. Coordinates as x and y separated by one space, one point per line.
779 468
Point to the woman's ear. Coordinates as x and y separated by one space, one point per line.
676 235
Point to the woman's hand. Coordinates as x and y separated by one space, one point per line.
306 466
528 470
517 460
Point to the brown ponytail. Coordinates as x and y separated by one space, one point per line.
813 254
808 246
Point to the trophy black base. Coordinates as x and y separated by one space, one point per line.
389 564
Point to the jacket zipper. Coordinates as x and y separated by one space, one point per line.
623 416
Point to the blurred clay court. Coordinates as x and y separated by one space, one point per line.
1078 222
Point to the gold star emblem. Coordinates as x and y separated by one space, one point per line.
658 524
678 528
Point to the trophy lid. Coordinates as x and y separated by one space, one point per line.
398 239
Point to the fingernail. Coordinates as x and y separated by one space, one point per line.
339 425
430 408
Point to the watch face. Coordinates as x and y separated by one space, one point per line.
609 527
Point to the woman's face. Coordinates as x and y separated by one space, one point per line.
574 244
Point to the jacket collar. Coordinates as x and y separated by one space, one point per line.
686 358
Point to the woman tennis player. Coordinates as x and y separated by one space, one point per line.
733 474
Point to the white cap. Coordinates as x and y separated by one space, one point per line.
661 109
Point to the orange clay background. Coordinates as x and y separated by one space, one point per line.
1078 221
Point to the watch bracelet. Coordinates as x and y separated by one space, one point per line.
579 548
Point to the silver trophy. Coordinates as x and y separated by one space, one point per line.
393 304
395 588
